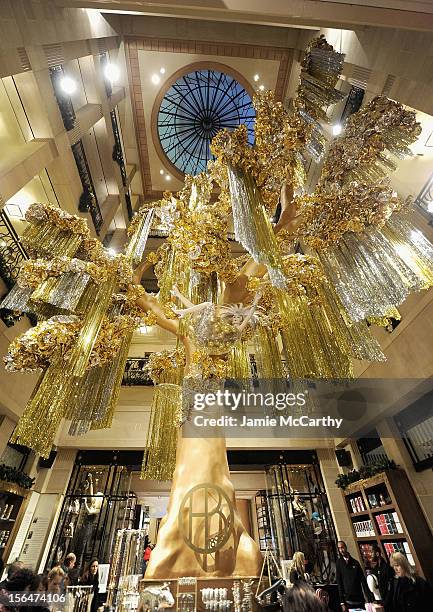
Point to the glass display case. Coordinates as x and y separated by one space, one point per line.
293 514
97 504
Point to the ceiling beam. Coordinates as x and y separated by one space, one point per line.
282 13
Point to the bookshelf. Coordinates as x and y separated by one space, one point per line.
384 510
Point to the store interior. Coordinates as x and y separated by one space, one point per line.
120 144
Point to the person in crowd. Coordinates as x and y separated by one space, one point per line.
407 591
13 568
56 580
38 584
91 578
301 598
352 584
69 567
380 574
297 571
147 553
323 596
21 581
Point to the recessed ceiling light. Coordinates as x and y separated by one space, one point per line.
167 177
161 172
162 70
256 77
262 87
156 79
112 72
337 129
68 85
111 252
430 207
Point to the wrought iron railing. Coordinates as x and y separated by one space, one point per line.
157 233
425 198
117 149
63 100
128 205
353 102
12 255
135 373
88 200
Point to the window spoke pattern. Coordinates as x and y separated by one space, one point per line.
192 112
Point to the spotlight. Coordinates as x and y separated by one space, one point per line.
337 129
156 79
112 72
430 207
162 70
161 172
68 85
2 244
256 77
262 88
167 177
111 252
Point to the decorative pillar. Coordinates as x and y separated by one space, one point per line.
337 503
6 428
49 490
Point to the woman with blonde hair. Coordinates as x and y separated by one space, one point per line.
407 591
297 571
56 580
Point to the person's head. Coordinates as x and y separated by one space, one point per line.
93 567
401 565
299 562
302 599
342 548
70 560
21 581
38 583
13 568
376 553
55 579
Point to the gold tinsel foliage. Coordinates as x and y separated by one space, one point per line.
199 234
362 152
38 346
331 212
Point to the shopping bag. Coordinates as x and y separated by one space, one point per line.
374 607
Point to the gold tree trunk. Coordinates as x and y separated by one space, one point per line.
202 534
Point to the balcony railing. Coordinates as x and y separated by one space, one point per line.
63 100
135 374
12 255
88 200
425 198
353 102
117 149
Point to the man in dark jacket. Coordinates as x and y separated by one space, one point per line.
352 585
382 570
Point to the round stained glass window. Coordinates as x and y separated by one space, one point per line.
194 109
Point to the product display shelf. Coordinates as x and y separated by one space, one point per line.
12 506
196 586
384 510
126 570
